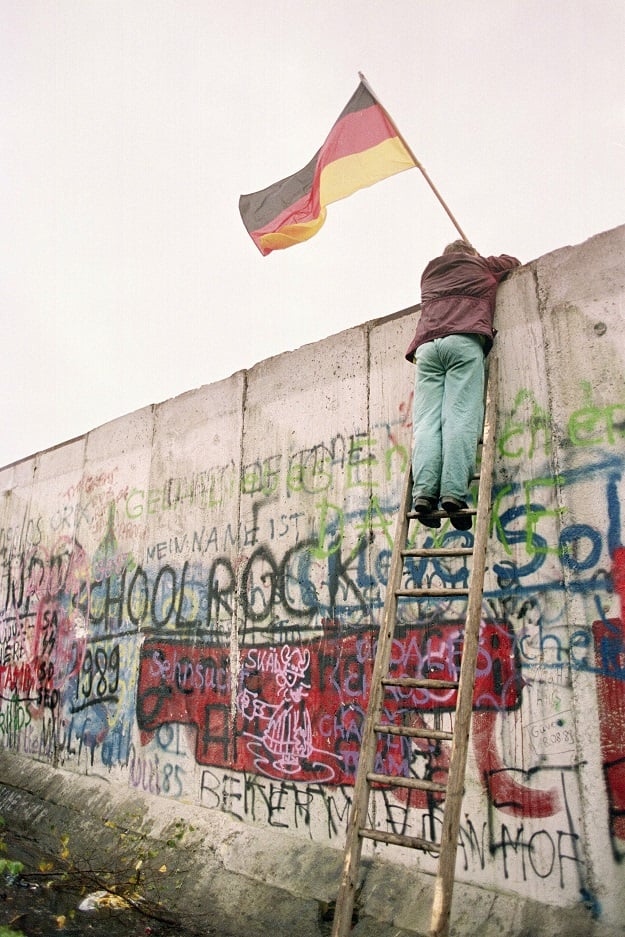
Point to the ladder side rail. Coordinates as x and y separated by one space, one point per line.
443 891
358 814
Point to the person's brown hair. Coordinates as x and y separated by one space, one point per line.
460 247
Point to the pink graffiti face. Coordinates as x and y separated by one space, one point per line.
291 680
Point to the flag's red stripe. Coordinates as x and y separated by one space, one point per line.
354 133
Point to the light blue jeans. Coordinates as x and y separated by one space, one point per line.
448 413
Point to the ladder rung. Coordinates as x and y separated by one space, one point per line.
421 683
448 593
438 551
411 732
415 784
395 839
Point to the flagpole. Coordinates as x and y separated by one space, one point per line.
414 158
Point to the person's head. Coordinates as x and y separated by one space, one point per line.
460 247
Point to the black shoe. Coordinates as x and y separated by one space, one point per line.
424 505
453 507
423 508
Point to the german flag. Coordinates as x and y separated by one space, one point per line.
362 148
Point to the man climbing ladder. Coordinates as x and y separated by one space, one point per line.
379 724
453 336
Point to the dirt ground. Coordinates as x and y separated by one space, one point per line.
39 904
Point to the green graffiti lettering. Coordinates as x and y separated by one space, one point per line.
357 460
592 425
331 528
534 514
535 421
135 509
389 456
496 517
373 520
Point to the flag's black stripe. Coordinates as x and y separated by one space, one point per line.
259 208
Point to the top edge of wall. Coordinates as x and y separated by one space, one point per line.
367 324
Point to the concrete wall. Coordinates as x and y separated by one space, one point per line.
190 597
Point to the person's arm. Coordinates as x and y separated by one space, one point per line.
501 265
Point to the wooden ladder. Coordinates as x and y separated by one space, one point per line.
374 726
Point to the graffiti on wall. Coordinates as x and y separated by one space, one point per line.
244 650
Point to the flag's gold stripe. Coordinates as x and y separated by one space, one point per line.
341 178
344 176
292 233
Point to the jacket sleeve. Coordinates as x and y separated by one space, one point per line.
501 265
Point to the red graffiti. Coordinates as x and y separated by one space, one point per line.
505 791
609 639
300 708
405 420
39 658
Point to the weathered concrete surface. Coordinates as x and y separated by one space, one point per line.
189 599
238 880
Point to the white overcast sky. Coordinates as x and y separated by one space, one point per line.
129 128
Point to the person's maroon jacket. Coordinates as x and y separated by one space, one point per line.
458 294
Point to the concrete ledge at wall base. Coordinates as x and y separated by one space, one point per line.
234 879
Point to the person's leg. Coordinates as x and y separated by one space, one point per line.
426 423
462 412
